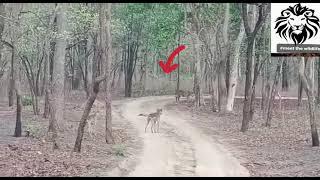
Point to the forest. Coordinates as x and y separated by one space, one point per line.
74 78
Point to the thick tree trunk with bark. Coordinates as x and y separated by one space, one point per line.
106 58
46 80
49 71
223 45
300 88
251 76
233 81
14 11
247 117
86 112
197 76
178 70
318 96
56 98
300 91
285 71
307 85
196 49
273 94
11 81
130 64
2 15
18 128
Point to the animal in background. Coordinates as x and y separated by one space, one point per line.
182 93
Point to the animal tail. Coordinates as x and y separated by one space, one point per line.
142 115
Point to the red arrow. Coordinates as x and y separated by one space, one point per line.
167 68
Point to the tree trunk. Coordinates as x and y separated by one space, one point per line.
223 76
12 80
49 71
311 73
56 98
251 29
2 15
197 80
196 50
285 71
318 99
248 87
300 91
234 70
90 61
14 14
263 88
266 86
46 80
178 70
106 58
130 64
307 84
86 112
226 55
18 128
273 93
221 85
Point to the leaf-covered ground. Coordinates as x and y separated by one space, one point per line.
284 149
34 156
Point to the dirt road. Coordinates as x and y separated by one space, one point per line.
179 149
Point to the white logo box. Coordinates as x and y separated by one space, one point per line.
308 46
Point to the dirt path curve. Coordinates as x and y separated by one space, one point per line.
179 149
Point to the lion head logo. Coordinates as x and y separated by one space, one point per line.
297 23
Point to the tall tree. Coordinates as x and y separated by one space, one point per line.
285 75
18 128
2 62
56 97
14 14
223 71
102 55
251 29
233 80
318 95
307 84
196 50
272 94
106 58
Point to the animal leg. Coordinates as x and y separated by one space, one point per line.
148 121
157 126
152 128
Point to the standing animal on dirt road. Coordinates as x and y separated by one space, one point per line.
154 118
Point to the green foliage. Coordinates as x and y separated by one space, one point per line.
119 150
82 19
160 22
235 20
33 128
26 100
157 23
